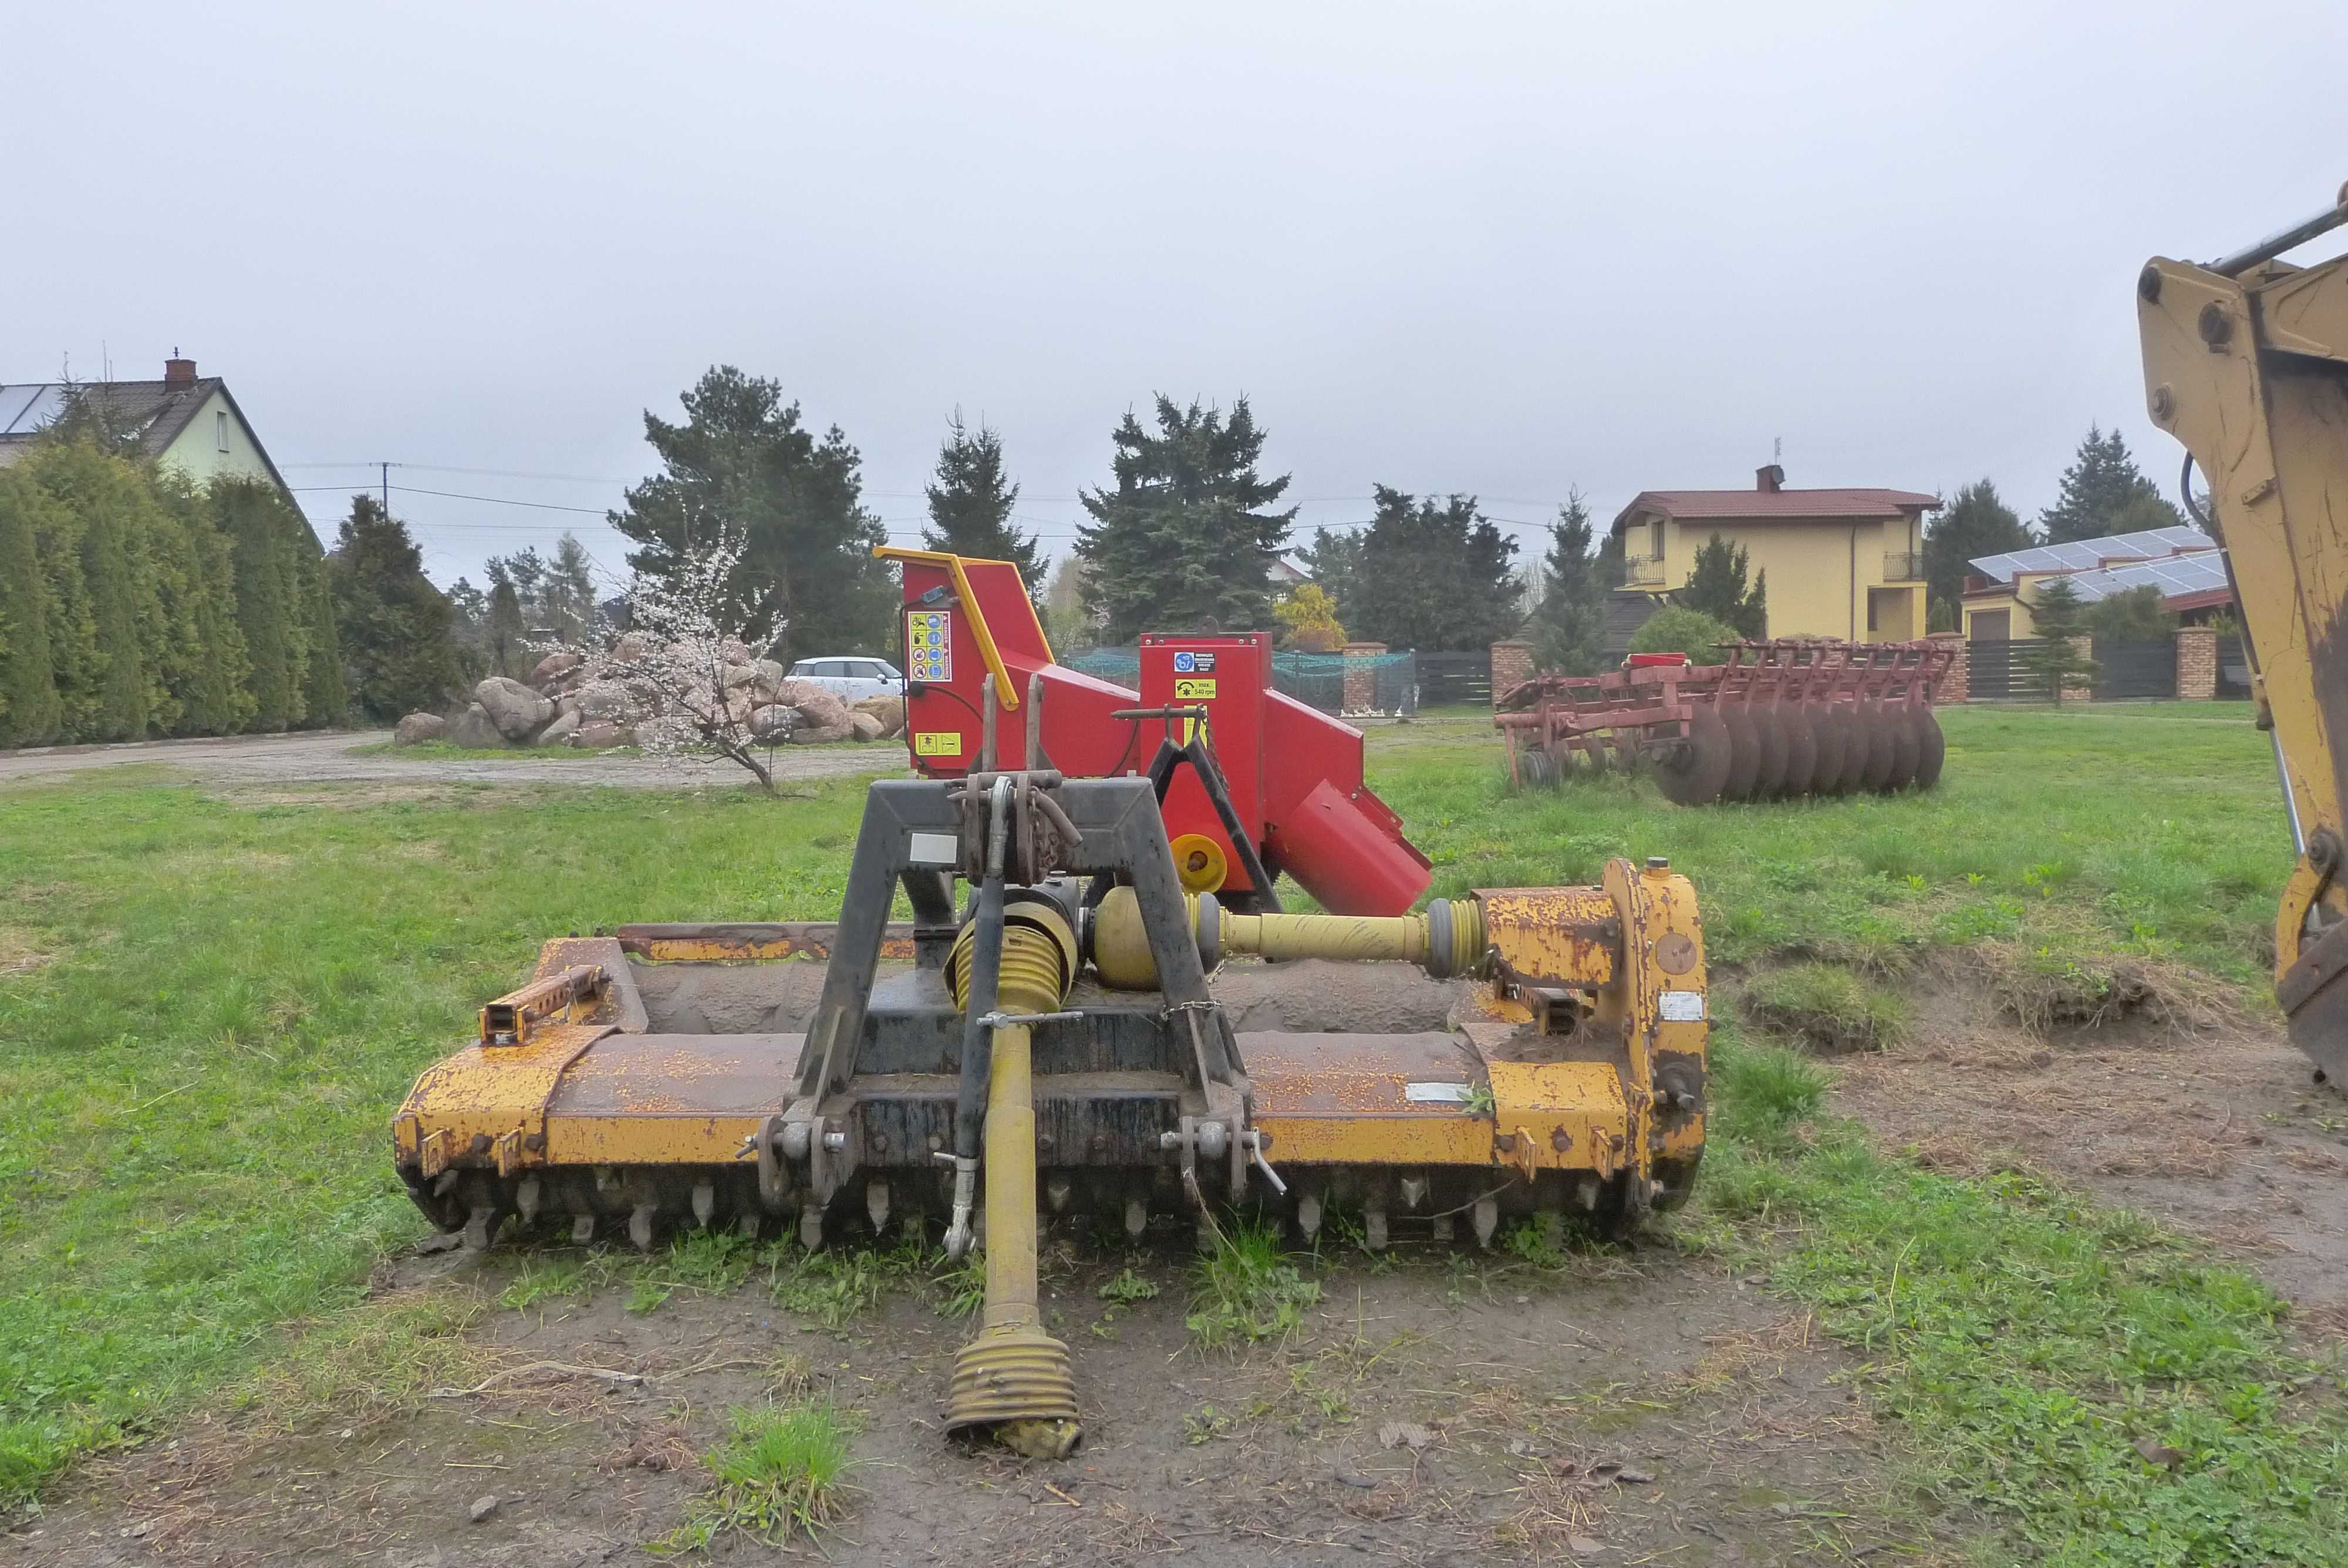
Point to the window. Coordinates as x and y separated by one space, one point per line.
1655 540
1871 598
220 428
867 669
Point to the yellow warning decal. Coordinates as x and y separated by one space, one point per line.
1193 690
937 743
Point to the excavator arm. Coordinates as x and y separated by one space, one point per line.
2246 363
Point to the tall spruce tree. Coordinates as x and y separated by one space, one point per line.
29 711
103 495
1435 576
971 502
1570 626
1716 585
325 686
201 655
1186 539
2104 494
1975 523
397 632
743 460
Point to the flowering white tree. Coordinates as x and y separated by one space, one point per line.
686 664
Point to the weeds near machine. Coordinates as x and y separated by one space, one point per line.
1244 1290
1827 1008
782 1474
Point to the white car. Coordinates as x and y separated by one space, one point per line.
853 680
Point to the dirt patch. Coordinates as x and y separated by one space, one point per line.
1436 1413
21 952
2214 1126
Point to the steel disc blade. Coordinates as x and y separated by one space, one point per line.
1698 766
1906 748
1826 729
1933 750
1536 768
1771 778
1801 747
1882 747
1744 753
1857 741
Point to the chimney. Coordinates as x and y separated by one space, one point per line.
177 372
1769 479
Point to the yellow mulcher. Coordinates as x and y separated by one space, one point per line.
1056 1030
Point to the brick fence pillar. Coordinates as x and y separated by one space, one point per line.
1361 677
2197 663
1513 665
2086 649
1956 686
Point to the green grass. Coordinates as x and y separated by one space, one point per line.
2149 833
1827 1006
199 1084
1244 1289
198 1087
782 1474
2030 1341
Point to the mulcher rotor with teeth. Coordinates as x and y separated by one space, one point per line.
1043 1035
1795 716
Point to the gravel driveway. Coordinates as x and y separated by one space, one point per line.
337 759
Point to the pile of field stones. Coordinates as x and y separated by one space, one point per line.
564 704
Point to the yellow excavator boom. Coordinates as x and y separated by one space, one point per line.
2246 363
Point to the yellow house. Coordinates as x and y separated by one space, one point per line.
2180 560
1846 563
184 421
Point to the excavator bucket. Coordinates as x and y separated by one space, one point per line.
1050 1033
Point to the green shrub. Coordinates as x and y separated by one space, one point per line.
1675 628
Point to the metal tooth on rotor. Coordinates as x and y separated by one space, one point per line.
1486 1217
876 1204
705 1204
748 1224
1308 1214
481 1226
640 1227
447 1180
1440 1226
811 1227
1373 1227
1414 1191
526 1200
1137 1218
1056 1192
1585 1192
583 1229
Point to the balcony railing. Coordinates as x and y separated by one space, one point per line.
1903 566
1643 571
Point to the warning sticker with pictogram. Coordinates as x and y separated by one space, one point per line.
929 644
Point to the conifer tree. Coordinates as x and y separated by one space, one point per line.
1570 626
969 505
1184 541
2104 494
2057 622
111 699
30 712
1716 586
1335 561
326 693
1434 576
201 657
1975 523
396 629
272 610
742 461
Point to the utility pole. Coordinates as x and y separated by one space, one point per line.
387 488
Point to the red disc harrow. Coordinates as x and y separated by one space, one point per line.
1775 719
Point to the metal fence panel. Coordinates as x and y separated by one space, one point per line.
2233 670
1998 668
1447 678
2134 669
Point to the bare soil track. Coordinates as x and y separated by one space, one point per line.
251 761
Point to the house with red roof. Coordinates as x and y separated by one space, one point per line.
1846 562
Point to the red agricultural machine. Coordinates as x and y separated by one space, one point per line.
1251 782
1791 716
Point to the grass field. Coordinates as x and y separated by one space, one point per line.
208 1008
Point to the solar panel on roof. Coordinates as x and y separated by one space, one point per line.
2174 575
2084 555
14 403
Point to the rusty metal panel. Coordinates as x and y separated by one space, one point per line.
740 942
482 1094
670 1074
1565 936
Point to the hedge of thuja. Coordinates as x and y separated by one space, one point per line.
136 604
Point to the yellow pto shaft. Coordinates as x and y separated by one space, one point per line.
1013 1377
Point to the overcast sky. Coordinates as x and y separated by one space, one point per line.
1511 249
